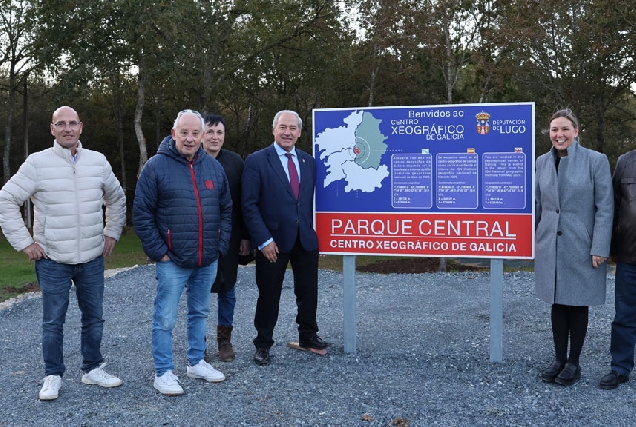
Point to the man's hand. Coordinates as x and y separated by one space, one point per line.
34 252
109 245
270 252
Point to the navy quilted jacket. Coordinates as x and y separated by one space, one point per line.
182 208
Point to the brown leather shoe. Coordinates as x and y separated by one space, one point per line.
224 337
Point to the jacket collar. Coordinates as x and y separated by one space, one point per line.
65 153
282 152
572 149
169 148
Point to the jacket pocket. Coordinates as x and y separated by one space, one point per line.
169 237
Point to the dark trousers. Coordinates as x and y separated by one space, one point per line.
624 324
269 279
569 323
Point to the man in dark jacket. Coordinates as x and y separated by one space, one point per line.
183 215
623 252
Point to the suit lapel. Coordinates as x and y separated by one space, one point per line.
305 172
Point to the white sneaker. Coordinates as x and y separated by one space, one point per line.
101 378
168 384
51 388
205 371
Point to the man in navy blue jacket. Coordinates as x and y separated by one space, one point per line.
183 215
277 200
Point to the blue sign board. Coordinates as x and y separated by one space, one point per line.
474 159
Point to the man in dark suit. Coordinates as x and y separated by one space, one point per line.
277 198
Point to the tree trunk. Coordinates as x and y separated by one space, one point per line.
158 110
25 125
207 87
374 73
449 63
248 124
600 130
139 111
120 131
8 125
449 94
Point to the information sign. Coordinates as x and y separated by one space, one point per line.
440 181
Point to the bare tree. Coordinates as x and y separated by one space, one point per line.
15 53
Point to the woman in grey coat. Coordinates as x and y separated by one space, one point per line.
573 230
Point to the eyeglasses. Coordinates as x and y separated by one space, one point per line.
62 125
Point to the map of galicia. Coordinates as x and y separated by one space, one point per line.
352 153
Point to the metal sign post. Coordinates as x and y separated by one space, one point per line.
496 310
349 322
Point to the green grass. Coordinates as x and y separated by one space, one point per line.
127 253
18 273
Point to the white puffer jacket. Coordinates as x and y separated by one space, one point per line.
67 199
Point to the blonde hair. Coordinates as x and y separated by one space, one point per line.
568 114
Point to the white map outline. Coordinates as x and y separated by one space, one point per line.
337 150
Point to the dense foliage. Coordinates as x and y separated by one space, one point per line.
128 66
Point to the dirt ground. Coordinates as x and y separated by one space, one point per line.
29 287
415 266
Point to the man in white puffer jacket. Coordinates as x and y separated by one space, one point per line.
68 185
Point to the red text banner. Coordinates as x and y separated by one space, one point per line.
426 234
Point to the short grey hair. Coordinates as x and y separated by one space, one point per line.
277 116
188 111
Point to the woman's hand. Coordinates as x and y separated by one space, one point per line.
597 260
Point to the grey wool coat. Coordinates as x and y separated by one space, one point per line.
573 221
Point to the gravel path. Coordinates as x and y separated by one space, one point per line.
422 360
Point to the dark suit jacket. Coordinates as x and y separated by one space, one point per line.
269 206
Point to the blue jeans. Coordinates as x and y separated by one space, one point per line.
624 324
171 281
227 302
55 282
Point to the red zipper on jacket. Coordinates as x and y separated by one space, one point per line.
196 193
